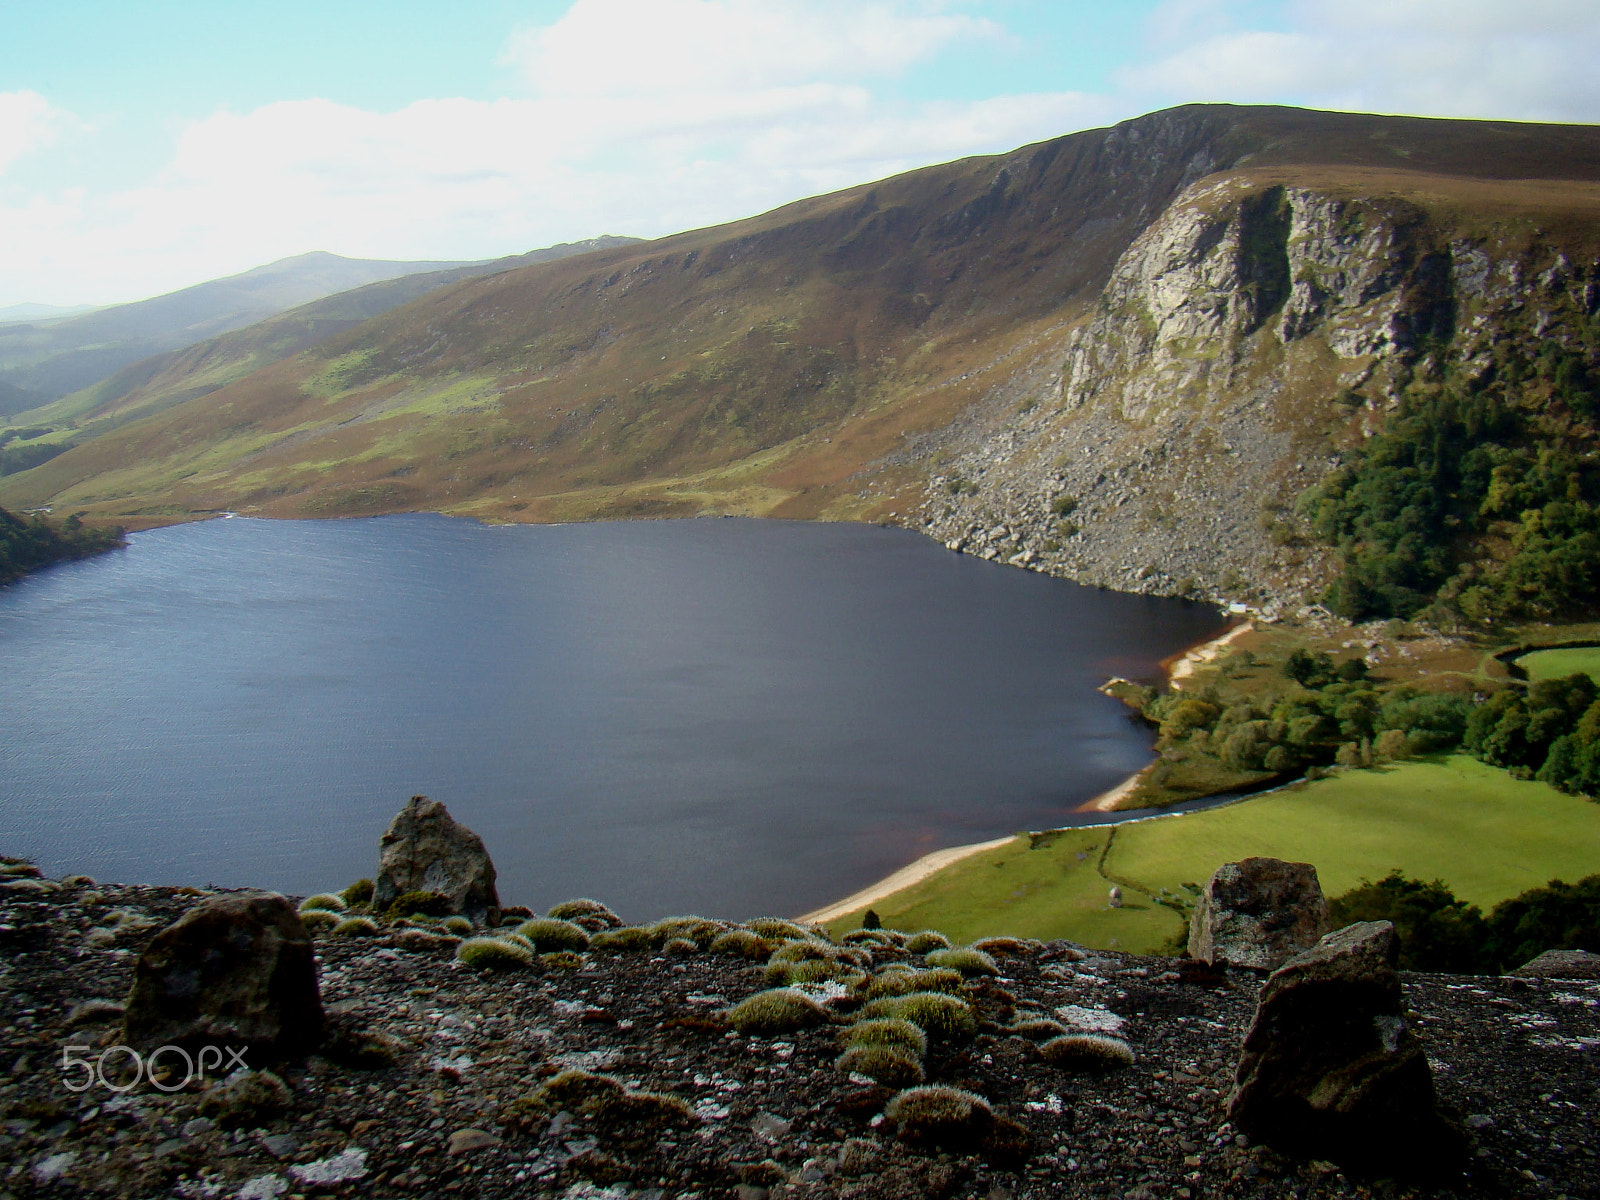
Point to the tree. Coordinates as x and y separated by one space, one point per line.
1437 932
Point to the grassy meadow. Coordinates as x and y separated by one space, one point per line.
1487 835
1558 664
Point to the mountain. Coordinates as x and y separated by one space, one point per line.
41 312
154 383
1122 355
42 360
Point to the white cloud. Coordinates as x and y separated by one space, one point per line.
1533 60
650 116
27 122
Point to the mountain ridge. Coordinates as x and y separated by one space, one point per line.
847 356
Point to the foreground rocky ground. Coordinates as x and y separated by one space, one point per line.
1514 1060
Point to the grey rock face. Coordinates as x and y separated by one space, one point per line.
1331 1069
425 850
1258 913
1561 964
234 971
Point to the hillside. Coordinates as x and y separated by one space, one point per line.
44 360
1120 356
157 382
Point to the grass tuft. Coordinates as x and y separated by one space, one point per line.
938 1117
928 939
355 927
779 1010
742 943
965 959
944 1018
493 954
1087 1052
554 933
324 902
458 925
628 939
891 1066
887 1031
318 918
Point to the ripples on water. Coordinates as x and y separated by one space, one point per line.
725 716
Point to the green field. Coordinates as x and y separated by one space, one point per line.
1558 664
1487 835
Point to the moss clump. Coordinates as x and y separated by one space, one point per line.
580 1092
515 938
1037 1029
680 947
887 1031
805 950
698 930
778 930
318 918
427 904
866 937
928 939
778 1010
787 974
359 892
942 1118
355 927
639 1118
1087 1052
898 980
246 1099
942 1017
965 959
593 915
1006 947
493 954
742 943
628 939
323 902
553 933
892 1066
561 960
457 925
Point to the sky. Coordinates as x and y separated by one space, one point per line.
146 145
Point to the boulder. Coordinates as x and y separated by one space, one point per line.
1330 1068
233 972
1258 913
425 850
1561 964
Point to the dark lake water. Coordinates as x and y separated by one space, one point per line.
723 716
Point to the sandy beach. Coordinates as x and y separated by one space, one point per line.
1205 652
903 878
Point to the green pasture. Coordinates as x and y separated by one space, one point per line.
1558 664
1487 835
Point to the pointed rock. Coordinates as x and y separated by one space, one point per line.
1330 1068
425 850
1258 913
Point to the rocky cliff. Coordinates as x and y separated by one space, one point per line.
1259 328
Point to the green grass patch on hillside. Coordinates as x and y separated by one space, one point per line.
1558 664
1487 835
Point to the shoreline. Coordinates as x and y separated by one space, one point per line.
1182 666
907 875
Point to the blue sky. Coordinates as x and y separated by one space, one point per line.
146 146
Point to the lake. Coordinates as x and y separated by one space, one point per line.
730 717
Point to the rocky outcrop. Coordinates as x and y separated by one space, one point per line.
233 972
1257 913
1246 340
1561 964
426 850
1331 1069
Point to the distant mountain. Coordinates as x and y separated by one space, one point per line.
156 382
43 360
42 312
